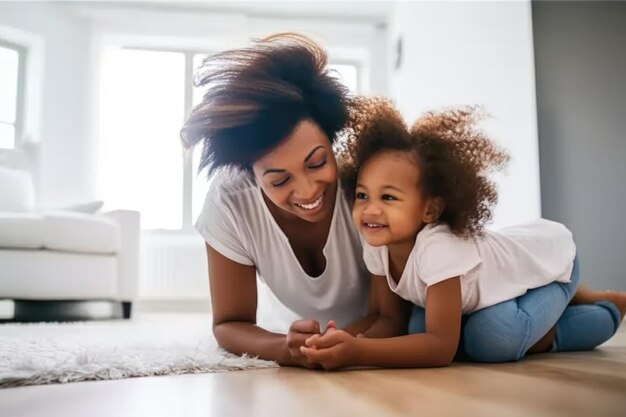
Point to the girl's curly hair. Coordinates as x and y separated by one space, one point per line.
453 156
373 125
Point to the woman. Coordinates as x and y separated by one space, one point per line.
267 123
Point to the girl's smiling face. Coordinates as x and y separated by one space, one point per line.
389 207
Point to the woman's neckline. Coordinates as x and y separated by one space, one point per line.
280 231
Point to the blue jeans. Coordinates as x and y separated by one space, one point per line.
504 332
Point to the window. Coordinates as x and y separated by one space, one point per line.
145 95
12 60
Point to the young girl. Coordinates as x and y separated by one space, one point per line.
421 200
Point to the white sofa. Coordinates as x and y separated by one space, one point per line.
65 264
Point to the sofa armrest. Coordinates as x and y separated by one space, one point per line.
128 261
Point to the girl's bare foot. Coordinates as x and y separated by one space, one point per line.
585 295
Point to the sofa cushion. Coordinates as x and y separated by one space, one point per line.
78 232
21 230
60 231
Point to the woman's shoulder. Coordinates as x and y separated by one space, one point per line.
227 182
233 192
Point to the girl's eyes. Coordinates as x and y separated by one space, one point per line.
384 197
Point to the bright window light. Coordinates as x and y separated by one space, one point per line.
200 181
142 110
9 70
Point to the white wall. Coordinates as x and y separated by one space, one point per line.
475 53
66 159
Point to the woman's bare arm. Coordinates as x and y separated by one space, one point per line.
234 298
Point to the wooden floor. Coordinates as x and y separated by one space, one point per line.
574 384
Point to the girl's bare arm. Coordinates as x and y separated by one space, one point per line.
436 347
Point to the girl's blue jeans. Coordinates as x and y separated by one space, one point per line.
504 332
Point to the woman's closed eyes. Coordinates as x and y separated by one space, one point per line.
284 181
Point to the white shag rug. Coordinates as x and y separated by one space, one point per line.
49 353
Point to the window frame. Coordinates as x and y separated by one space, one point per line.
18 124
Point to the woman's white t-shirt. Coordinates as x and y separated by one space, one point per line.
502 265
237 223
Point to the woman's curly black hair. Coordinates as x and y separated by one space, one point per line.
257 95
453 156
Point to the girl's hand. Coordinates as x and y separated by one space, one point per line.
298 333
312 340
332 350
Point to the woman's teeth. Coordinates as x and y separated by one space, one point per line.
313 205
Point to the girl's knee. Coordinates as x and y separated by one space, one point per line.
491 337
584 327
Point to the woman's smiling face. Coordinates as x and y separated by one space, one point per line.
300 175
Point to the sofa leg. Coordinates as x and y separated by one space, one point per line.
67 310
127 309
